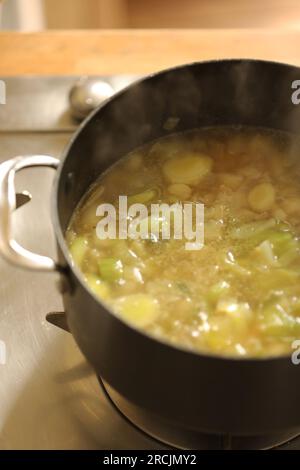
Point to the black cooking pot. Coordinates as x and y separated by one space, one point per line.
192 390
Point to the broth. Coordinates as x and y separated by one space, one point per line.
240 294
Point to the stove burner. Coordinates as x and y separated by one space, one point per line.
165 433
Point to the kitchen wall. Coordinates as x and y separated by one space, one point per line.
87 13
77 14
213 13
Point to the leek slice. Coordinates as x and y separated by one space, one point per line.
110 269
251 229
78 250
277 322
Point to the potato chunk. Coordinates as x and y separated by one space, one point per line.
139 309
183 191
98 286
188 169
262 197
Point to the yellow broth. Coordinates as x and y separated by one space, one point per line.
240 294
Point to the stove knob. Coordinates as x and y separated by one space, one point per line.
87 94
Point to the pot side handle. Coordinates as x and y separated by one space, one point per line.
9 248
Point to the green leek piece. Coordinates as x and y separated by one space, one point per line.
251 229
239 313
264 253
78 250
110 269
217 290
278 278
277 322
229 262
289 256
282 241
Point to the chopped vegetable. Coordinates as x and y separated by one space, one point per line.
156 225
98 286
218 290
187 169
265 254
276 321
230 263
110 269
289 256
139 309
282 241
262 197
78 250
280 278
232 307
133 273
238 312
183 191
251 229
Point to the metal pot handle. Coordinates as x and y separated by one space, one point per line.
9 248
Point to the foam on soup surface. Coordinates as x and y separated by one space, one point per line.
240 294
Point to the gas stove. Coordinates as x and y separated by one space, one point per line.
50 397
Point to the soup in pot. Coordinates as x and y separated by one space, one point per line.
239 294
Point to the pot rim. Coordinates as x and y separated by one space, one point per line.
63 245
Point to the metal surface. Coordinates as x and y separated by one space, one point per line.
22 198
9 248
50 398
86 94
42 104
184 439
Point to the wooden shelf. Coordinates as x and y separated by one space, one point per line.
137 51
